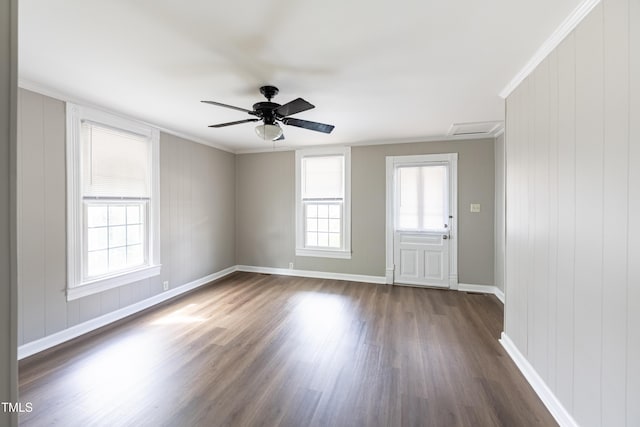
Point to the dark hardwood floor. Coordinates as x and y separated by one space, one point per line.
272 350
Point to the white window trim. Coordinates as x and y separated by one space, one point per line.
76 287
345 252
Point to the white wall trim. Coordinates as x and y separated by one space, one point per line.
482 289
391 141
313 274
563 30
389 275
549 399
75 331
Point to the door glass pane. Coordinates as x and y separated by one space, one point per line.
434 181
408 197
421 193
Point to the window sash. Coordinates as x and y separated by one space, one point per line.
323 226
129 224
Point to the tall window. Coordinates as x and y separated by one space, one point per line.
323 205
113 201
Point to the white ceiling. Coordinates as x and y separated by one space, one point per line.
380 71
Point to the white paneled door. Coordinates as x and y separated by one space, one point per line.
421 216
422 259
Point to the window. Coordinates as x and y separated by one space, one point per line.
323 220
113 199
421 198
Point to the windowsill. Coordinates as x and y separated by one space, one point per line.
324 253
111 282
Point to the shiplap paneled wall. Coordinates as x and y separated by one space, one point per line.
573 218
197 199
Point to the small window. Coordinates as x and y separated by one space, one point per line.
322 203
113 201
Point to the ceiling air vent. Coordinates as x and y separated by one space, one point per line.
481 129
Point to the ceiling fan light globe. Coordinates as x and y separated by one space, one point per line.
268 132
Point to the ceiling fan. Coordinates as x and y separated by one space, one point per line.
271 113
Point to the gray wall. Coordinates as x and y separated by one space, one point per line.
573 218
197 200
8 85
499 225
265 225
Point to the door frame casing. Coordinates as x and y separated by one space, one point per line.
391 163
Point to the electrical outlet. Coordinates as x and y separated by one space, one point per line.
165 285
290 266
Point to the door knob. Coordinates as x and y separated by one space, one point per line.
445 237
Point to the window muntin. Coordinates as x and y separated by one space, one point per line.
323 224
116 237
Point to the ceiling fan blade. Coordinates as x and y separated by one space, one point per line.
280 139
318 127
237 122
220 104
293 107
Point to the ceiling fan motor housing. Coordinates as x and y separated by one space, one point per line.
269 91
266 110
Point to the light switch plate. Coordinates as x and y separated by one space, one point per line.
474 207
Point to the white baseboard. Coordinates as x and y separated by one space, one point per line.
313 274
52 340
482 289
57 338
561 415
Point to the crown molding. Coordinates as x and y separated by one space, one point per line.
65 97
391 141
566 27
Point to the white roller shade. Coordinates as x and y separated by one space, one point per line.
106 172
323 177
422 197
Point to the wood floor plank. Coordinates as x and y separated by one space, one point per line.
263 350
